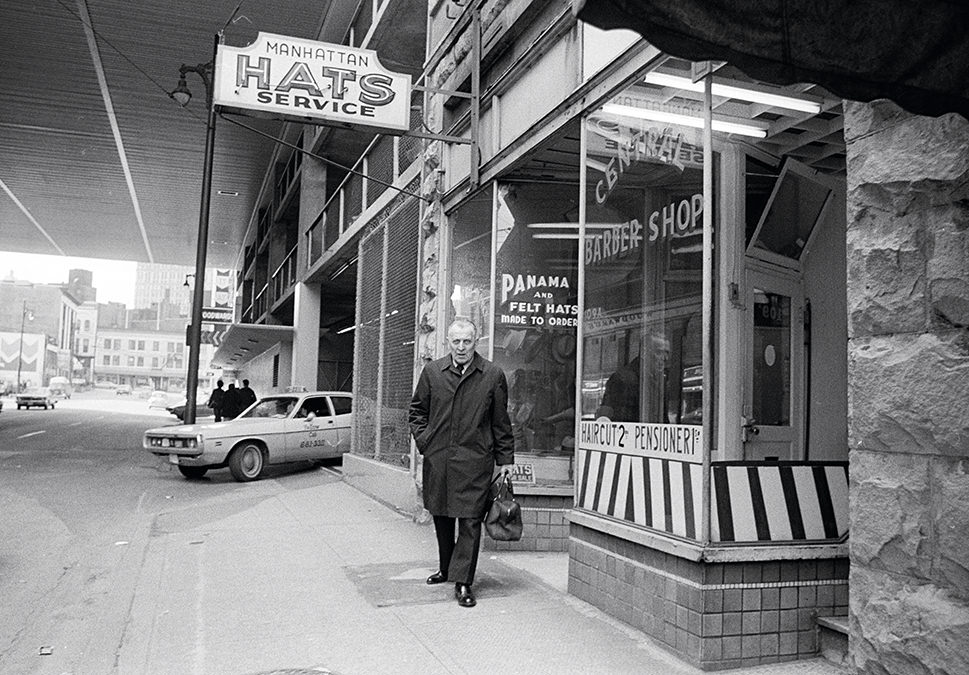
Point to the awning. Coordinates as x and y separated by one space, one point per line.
914 53
243 342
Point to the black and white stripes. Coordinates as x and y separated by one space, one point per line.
753 502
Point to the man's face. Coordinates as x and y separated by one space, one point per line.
462 341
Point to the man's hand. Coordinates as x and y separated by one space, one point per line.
502 469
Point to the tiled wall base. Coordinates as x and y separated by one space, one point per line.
714 615
545 525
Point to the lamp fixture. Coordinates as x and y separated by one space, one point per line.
732 91
181 93
686 120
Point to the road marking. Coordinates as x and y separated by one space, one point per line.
32 433
75 424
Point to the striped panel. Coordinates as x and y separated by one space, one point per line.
661 494
786 502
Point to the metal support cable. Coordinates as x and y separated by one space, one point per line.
321 158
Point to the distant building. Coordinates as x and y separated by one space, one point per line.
80 284
37 324
147 359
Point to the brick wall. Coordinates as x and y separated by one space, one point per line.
714 615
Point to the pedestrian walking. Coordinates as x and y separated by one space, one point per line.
231 407
217 400
247 395
459 420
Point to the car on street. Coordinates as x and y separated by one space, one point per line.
277 429
202 408
158 399
60 387
35 397
123 390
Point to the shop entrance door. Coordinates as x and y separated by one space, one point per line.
773 407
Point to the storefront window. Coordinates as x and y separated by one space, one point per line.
536 319
643 271
640 446
471 265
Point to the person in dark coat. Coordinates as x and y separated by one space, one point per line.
246 395
231 404
217 400
459 420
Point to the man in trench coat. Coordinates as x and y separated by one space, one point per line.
459 420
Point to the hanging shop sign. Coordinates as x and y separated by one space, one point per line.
295 78
222 295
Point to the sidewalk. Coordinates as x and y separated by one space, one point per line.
325 579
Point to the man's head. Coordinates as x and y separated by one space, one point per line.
219 384
462 337
245 383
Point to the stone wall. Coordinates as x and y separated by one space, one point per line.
908 388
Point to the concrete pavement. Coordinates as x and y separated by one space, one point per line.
325 579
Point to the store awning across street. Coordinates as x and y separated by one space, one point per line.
244 341
916 54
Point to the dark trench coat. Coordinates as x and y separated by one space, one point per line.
461 427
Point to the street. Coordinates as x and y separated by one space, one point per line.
79 498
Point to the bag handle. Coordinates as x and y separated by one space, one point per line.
505 488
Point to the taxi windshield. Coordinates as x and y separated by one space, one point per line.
275 406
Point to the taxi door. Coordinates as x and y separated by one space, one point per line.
311 436
342 420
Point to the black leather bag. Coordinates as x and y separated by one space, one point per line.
503 521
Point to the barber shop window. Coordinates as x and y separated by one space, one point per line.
642 256
471 265
536 319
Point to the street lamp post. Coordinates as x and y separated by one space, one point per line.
20 360
182 96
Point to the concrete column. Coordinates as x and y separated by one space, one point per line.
306 336
908 389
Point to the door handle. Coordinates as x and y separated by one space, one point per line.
748 428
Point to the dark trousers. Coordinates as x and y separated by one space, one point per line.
458 559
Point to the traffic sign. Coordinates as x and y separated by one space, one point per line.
213 337
216 315
209 335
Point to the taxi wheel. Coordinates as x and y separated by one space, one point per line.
193 471
246 462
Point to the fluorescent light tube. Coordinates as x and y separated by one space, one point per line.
740 93
685 120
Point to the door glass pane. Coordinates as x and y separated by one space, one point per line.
772 359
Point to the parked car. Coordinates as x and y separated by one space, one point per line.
35 397
123 390
273 430
158 399
202 408
60 387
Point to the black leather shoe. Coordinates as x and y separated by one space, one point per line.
436 578
465 595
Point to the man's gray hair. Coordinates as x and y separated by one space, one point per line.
461 322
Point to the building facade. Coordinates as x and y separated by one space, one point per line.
148 359
38 323
668 276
